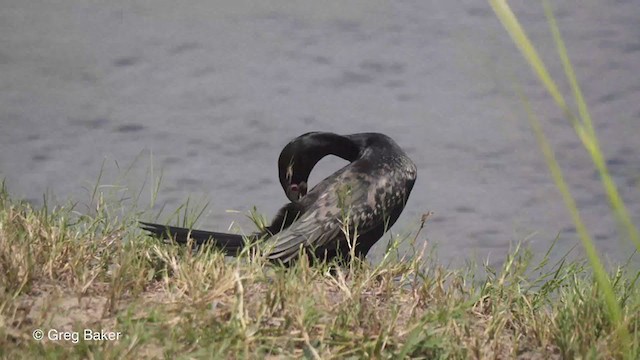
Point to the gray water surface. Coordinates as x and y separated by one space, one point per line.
210 92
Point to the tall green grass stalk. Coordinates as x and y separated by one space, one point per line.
584 129
590 139
556 172
582 125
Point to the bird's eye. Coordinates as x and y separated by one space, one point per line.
289 174
294 187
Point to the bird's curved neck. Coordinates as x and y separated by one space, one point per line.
320 145
300 156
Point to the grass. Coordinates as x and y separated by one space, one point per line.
584 129
66 271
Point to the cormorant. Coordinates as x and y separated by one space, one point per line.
363 199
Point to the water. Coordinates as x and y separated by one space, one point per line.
215 89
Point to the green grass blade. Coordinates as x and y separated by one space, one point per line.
590 139
586 135
598 268
583 126
521 40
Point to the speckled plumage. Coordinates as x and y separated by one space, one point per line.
365 198
368 194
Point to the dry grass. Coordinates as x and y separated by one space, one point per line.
70 272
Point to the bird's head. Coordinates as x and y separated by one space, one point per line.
301 154
294 170
294 186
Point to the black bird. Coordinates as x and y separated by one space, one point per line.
361 200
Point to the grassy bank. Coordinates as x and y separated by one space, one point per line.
64 271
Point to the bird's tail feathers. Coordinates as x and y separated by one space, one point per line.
229 243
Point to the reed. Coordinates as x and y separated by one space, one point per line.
583 126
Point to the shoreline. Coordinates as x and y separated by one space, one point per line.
67 274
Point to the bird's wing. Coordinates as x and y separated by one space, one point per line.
351 203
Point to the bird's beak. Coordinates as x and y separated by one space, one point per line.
293 192
297 191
